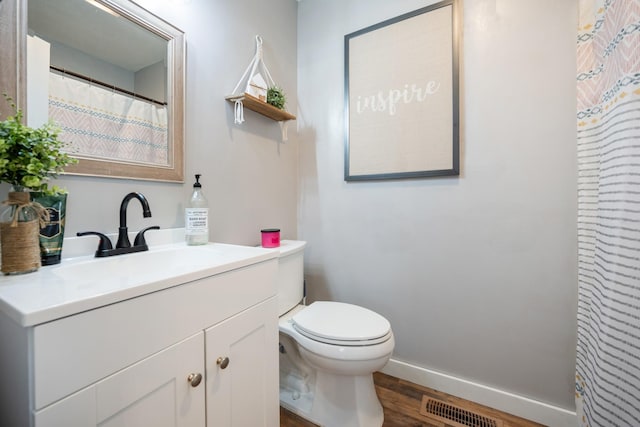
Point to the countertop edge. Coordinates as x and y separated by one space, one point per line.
71 309
55 312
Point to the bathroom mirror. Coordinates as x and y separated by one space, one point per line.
111 75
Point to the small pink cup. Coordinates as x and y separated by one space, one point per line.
270 237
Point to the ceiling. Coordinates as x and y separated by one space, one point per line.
81 25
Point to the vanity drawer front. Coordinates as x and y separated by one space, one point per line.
76 351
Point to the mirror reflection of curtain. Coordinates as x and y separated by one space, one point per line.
608 88
101 123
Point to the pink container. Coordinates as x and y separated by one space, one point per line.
270 237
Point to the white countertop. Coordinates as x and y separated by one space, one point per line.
83 283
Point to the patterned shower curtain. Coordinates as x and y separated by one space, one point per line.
104 124
608 119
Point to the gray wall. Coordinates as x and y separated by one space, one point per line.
68 58
477 273
249 175
151 81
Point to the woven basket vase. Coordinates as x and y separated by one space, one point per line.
20 241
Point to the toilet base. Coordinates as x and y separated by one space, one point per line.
336 401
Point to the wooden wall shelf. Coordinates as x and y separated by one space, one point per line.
261 107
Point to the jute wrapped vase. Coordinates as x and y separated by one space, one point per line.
19 231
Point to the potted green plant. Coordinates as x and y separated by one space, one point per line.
276 97
29 158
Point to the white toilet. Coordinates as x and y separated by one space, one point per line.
328 352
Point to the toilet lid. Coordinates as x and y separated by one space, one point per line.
336 322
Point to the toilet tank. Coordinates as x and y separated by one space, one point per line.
290 274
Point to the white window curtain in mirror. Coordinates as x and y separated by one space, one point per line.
104 124
608 131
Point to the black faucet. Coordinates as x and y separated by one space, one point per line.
123 246
123 236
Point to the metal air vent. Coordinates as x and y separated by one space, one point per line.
455 416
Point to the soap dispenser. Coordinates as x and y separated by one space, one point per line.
196 216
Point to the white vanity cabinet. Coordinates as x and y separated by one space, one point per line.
152 392
137 362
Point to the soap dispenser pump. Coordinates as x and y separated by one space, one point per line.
196 216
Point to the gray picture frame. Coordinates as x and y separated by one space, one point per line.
417 135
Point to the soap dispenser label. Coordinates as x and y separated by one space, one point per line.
196 220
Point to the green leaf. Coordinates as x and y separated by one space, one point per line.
276 97
30 156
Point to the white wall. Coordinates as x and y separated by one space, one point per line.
476 273
248 174
38 54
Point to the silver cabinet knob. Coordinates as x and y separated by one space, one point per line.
194 379
223 362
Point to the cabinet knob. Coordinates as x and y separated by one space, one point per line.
223 362
194 379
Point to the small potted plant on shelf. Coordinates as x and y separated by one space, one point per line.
276 97
29 158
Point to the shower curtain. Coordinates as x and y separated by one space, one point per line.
104 124
608 130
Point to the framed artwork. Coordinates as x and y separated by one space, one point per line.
401 96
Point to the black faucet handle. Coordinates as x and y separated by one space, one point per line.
104 244
140 240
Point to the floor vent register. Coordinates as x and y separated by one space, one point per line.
455 416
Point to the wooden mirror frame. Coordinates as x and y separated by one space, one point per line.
13 33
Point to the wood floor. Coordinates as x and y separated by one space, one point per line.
401 401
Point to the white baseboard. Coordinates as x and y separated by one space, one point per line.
498 399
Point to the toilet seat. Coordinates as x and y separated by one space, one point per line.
341 324
362 352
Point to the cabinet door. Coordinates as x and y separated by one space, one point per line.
153 392
242 369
